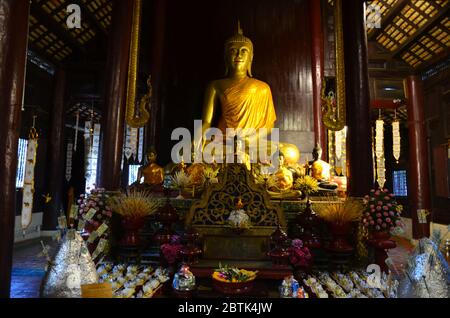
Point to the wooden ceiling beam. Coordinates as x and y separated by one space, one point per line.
44 18
393 12
99 30
423 30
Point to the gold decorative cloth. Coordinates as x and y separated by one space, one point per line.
247 104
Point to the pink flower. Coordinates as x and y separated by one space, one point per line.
388 220
372 222
391 213
398 222
372 206
378 215
379 221
384 225
391 195
386 191
386 214
389 205
373 210
385 208
377 193
387 198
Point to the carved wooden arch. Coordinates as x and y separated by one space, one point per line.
218 201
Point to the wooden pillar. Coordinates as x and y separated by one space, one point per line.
359 150
317 62
157 63
13 46
55 156
418 174
115 95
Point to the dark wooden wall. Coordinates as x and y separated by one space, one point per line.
193 55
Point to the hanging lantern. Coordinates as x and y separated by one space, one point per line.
379 152
396 139
379 138
381 172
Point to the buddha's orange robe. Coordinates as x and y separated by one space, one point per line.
247 104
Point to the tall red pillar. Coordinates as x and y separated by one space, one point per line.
115 95
317 62
13 47
419 174
359 150
55 156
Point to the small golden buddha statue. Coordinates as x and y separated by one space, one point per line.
153 174
239 100
284 177
320 170
283 182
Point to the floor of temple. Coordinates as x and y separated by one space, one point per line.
28 266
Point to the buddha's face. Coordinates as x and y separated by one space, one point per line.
151 157
238 57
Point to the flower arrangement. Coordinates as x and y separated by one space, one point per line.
171 251
238 219
299 255
307 185
227 274
96 201
181 180
382 212
210 175
134 204
350 210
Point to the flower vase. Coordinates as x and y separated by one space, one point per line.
340 233
381 243
131 226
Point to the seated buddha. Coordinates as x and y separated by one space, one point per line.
320 170
153 174
283 182
239 100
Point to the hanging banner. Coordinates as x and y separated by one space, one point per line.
69 156
28 184
131 143
141 144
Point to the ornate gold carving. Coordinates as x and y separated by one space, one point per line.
133 119
218 201
334 116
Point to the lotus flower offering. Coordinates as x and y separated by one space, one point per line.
132 281
354 284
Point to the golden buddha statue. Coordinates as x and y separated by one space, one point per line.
320 170
241 100
283 182
153 174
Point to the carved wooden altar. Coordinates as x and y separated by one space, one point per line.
223 244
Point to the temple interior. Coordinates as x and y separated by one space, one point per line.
226 148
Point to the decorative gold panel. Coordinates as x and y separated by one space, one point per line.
218 201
